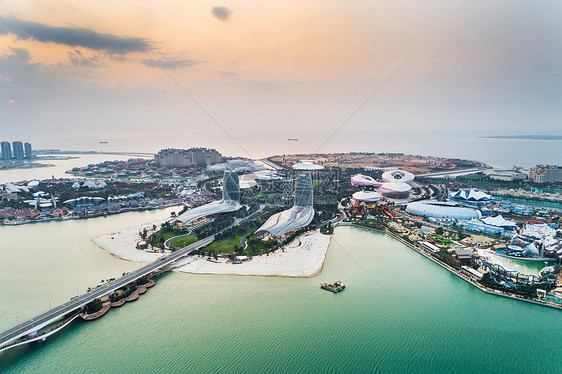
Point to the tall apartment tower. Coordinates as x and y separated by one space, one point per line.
18 150
6 151
28 151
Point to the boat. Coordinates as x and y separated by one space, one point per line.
333 287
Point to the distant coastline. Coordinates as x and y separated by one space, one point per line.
523 137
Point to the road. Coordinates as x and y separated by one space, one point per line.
44 319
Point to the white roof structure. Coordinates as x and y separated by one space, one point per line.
433 208
230 201
398 176
89 184
245 184
395 189
539 231
499 221
471 195
364 180
102 185
33 184
307 165
300 215
367 196
75 185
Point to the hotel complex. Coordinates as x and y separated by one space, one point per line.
230 201
300 215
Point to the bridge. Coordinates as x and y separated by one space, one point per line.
37 323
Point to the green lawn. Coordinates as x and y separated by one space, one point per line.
166 235
183 241
225 245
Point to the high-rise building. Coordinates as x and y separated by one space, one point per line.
28 151
18 150
546 174
187 157
299 216
6 151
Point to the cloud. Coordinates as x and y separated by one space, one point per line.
74 37
169 63
221 12
78 59
227 74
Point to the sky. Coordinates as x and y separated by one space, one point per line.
244 76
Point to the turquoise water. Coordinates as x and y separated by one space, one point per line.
399 313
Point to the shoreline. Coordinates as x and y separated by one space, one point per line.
304 257
468 280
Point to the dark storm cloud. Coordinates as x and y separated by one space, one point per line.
221 12
169 63
74 37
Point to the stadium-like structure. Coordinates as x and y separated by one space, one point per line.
398 176
438 209
230 201
366 196
300 215
364 181
395 190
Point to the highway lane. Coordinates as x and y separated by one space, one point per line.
40 321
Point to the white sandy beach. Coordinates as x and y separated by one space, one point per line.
304 257
123 243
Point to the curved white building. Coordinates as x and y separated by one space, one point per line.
438 209
367 196
395 190
307 165
398 176
364 181
230 201
300 215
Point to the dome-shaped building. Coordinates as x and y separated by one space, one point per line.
364 181
398 176
438 209
366 196
395 190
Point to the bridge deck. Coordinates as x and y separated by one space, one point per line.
46 318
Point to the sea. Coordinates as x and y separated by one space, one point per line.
399 313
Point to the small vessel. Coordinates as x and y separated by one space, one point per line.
333 287
293 139
103 142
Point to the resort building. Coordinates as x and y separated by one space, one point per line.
361 180
201 157
398 176
299 216
366 196
230 201
546 174
438 209
471 197
395 190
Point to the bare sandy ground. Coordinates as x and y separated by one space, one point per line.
304 257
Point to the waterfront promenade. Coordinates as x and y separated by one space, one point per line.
33 325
